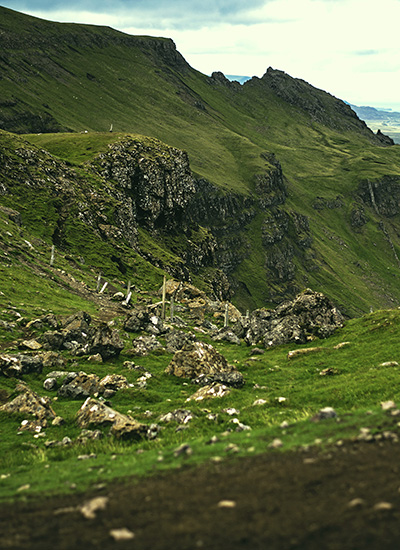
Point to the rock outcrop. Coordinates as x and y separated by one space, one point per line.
77 336
198 358
309 315
122 426
30 403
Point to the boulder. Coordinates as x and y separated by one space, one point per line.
226 335
20 364
29 402
177 339
143 345
53 340
137 320
233 379
309 315
122 426
79 321
198 358
105 341
210 392
80 386
113 382
30 345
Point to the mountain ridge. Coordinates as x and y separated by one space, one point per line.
277 166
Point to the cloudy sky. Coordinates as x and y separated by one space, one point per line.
350 48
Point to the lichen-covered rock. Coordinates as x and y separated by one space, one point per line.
80 386
143 345
233 379
122 426
114 382
78 321
20 364
176 339
309 315
210 392
198 358
137 320
156 178
29 402
105 341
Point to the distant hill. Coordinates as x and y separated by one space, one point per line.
380 119
252 191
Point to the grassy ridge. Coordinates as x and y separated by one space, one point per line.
92 77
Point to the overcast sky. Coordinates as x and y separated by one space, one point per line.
350 48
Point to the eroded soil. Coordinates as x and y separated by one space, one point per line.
345 498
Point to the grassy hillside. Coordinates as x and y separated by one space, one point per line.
84 78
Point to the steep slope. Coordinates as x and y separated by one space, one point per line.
288 188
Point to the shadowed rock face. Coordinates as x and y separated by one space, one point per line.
310 314
383 195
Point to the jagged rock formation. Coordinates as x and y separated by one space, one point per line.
320 105
198 358
309 315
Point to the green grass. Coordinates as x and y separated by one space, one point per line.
142 87
355 391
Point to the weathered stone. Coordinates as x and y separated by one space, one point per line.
29 402
53 359
78 321
122 534
18 365
97 358
107 342
143 345
122 426
34 426
53 340
389 364
309 315
80 386
233 379
226 335
209 392
50 384
198 358
176 339
303 351
114 382
30 344
137 320
182 416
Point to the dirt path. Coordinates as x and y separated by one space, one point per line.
345 499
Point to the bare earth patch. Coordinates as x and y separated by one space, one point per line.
347 498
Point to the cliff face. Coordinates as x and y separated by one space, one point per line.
155 180
383 195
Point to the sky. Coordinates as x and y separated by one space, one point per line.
350 48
